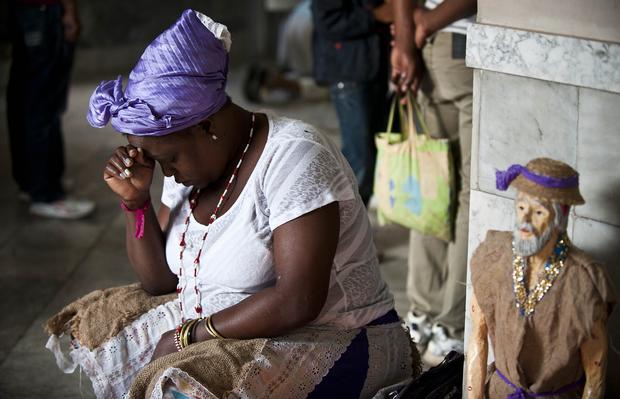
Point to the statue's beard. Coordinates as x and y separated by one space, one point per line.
530 246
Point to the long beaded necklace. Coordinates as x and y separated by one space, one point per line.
527 302
193 202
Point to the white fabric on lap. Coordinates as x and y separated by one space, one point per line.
113 366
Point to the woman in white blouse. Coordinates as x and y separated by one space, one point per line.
261 232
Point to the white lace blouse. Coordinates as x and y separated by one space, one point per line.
299 171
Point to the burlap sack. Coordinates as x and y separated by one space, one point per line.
102 314
220 365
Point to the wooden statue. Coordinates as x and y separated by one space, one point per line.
542 302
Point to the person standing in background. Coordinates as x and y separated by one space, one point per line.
351 45
291 78
438 269
43 35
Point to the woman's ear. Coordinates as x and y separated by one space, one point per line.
205 126
208 129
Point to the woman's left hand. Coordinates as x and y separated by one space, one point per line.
165 346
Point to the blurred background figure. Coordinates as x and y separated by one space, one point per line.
351 47
429 54
291 77
43 35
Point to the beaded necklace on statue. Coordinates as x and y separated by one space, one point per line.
193 202
525 301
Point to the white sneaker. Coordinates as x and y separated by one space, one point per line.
63 209
419 329
440 345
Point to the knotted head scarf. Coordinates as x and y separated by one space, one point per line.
179 80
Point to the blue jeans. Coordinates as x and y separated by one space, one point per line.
362 110
36 98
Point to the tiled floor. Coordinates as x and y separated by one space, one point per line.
45 264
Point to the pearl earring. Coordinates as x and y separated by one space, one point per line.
214 137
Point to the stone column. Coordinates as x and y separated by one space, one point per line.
547 83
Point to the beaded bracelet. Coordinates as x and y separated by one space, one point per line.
177 339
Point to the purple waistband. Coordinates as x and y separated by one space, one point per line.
504 178
521 393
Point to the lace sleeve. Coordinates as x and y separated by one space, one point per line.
302 176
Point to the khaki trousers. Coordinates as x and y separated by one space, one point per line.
438 269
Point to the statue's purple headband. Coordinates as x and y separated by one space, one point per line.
179 81
504 178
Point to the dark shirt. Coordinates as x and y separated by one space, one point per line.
349 44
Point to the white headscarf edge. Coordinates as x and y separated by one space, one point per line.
220 31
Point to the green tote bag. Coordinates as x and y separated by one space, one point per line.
414 175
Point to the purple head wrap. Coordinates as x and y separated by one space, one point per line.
504 178
179 81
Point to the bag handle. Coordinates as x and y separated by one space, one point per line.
414 113
420 117
406 118
390 123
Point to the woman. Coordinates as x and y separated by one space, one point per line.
261 233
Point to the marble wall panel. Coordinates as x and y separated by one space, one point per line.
602 242
595 19
486 212
598 155
475 133
521 119
568 60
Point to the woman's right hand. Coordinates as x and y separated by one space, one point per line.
129 173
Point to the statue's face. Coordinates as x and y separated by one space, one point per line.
535 221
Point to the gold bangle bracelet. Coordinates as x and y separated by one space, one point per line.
212 328
208 327
190 328
186 331
183 329
206 324
182 335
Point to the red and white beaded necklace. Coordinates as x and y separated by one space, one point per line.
193 202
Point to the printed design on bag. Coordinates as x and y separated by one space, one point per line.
392 198
430 178
414 200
